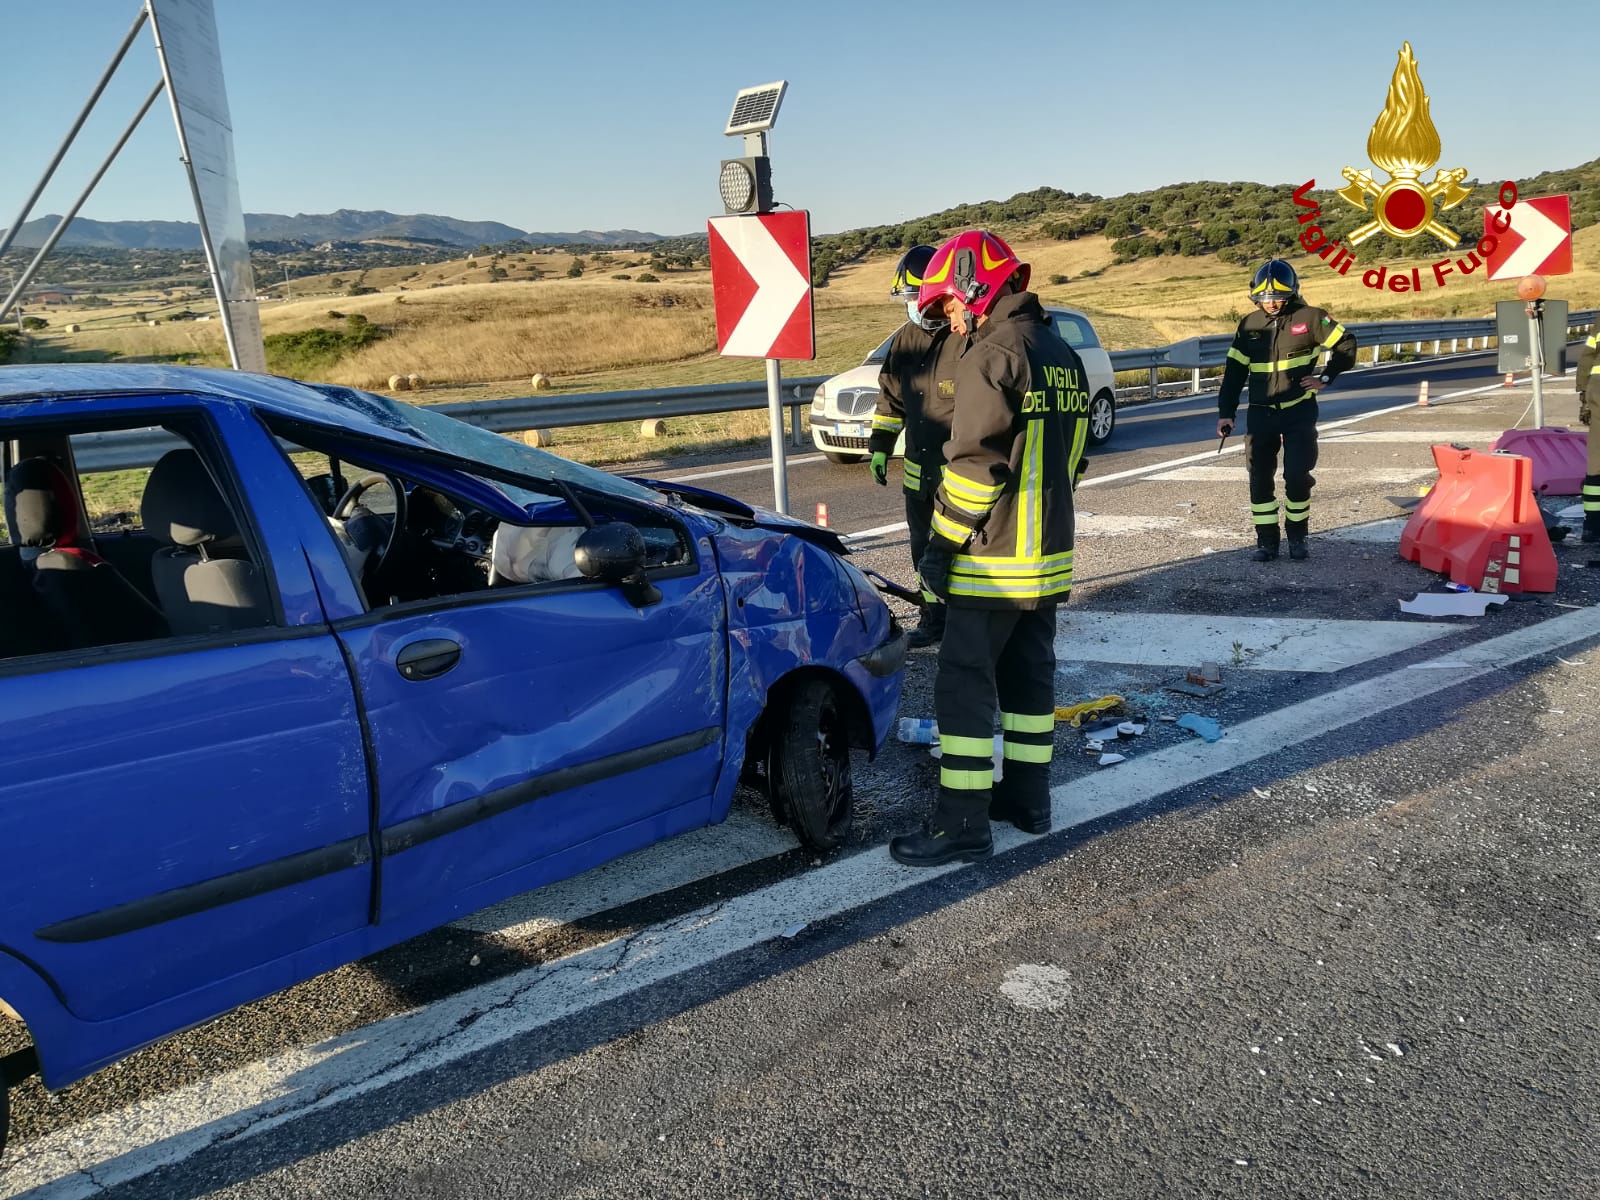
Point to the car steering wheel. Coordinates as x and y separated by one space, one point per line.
365 527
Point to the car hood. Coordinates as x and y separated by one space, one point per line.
862 376
747 515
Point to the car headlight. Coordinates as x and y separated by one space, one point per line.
818 400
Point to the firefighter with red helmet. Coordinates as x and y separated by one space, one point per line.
1588 380
1276 352
1000 551
916 395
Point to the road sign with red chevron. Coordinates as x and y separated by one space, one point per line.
761 283
1539 241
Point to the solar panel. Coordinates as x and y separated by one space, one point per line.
756 108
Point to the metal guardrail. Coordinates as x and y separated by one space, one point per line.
139 448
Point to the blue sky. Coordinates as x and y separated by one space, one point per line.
562 116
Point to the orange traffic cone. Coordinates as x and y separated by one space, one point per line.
822 515
1509 377
1422 395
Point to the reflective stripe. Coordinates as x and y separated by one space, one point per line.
967 494
1238 356
945 527
913 474
966 747
999 568
887 424
1338 332
1265 513
1019 589
1030 494
1285 364
1593 341
1028 722
1076 463
958 780
1023 752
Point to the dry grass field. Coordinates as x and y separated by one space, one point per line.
470 338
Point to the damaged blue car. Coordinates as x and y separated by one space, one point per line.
346 669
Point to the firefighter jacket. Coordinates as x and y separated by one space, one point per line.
1004 508
917 393
1276 354
1589 378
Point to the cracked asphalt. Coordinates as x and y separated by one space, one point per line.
1363 966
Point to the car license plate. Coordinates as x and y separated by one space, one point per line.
852 429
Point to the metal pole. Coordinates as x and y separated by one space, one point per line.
1536 327
55 236
94 97
780 464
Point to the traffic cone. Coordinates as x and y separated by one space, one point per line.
822 514
1509 376
1422 395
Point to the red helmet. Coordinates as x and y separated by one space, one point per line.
973 267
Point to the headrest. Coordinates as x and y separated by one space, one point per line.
41 506
183 506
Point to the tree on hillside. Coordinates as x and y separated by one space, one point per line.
575 270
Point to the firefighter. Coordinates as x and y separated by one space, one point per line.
916 393
1000 552
1588 400
1276 349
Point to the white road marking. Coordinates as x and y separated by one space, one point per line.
1443 437
1324 429
1379 532
158 1132
1265 643
751 470
745 837
1239 474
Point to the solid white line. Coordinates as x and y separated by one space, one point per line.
766 466
121 1146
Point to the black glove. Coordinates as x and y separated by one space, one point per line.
933 571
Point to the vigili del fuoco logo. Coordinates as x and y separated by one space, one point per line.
1403 144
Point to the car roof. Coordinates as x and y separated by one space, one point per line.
356 411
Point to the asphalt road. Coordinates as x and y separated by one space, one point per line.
1348 950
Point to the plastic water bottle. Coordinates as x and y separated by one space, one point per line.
1452 586
919 731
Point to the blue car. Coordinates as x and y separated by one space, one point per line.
354 669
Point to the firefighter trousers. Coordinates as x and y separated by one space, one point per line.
1298 440
919 520
993 658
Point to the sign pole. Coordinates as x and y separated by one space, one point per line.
1536 359
780 463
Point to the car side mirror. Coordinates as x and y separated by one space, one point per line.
613 553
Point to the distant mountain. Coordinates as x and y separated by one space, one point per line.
346 225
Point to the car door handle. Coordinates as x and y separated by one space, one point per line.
428 658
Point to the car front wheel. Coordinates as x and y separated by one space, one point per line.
808 767
1102 417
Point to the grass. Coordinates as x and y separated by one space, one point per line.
469 339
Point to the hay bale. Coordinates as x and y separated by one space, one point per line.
398 383
540 382
539 439
414 382
652 427
71 328
152 323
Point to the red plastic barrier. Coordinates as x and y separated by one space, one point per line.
1481 526
1559 457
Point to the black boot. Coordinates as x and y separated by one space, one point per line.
1022 797
1297 549
930 628
1265 552
1591 525
959 830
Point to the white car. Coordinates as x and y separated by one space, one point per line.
842 407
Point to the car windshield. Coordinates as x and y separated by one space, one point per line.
458 438
880 354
